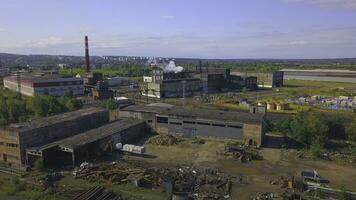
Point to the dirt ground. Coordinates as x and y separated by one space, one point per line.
256 174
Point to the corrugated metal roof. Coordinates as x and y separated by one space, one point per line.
199 113
45 121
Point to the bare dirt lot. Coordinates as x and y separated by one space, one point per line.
256 175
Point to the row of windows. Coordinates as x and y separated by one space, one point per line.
164 120
70 83
9 145
61 89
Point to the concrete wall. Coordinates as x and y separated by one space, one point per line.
253 134
9 150
25 89
189 127
205 128
30 90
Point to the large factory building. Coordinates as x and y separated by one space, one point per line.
42 83
163 84
84 146
165 118
16 138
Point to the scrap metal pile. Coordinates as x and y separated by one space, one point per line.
164 140
97 193
242 153
200 183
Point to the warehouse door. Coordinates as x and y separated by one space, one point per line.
190 132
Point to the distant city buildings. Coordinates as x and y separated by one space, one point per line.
30 84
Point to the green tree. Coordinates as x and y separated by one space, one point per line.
38 106
337 127
4 118
309 128
316 150
15 108
73 104
38 165
111 104
351 130
45 105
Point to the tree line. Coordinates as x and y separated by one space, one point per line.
14 110
314 130
125 69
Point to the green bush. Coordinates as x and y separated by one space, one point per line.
39 166
198 140
32 194
316 150
111 104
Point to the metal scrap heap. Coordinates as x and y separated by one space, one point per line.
196 182
164 140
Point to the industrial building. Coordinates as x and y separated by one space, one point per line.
16 138
30 84
265 80
94 82
165 118
81 147
163 84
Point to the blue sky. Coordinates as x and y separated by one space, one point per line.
181 28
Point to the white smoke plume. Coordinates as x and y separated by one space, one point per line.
171 67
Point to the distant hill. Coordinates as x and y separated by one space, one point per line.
13 60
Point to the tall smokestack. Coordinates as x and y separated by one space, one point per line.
87 62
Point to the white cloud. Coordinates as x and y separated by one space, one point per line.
316 43
52 40
348 4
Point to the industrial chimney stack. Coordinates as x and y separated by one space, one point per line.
87 62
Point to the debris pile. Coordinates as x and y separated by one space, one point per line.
199 182
242 153
265 196
164 140
281 181
98 193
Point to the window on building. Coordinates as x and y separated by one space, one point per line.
175 123
1 143
220 125
203 123
12 145
233 126
162 120
149 121
188 122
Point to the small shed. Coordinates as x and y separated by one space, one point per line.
271 106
